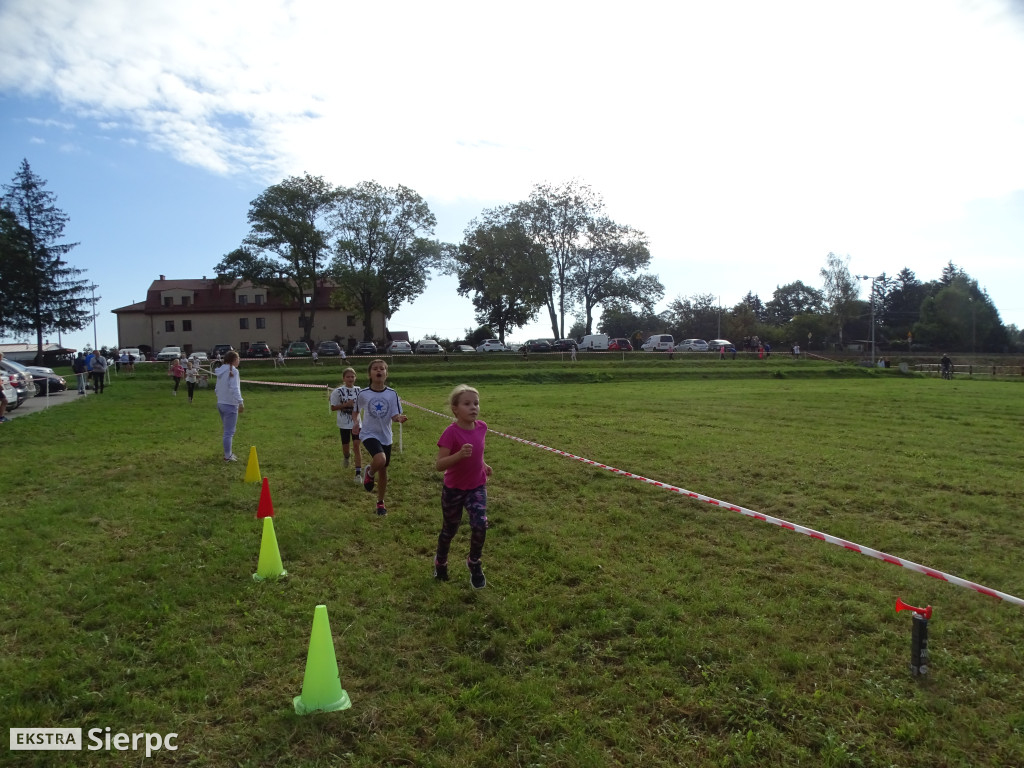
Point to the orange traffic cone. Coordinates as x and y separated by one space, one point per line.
266 508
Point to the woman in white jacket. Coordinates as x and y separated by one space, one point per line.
229 399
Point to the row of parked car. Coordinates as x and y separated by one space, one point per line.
21 382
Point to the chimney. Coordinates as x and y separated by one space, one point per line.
162 277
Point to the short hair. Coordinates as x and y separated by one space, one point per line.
459 391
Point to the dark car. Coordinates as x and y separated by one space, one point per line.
622 345
328 349
260 349
47 380
365 348
219 350
538 345
563 345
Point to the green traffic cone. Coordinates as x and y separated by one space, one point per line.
269 566
321 685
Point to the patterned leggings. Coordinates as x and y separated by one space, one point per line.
453 501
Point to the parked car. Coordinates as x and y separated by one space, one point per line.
20 379
219 350
260 349
660 342
692 345
167 354
491 345
538 345
428 347
9 391
716 345
365 348
462 348
131 352
47 380
622 345
328 349
400 348
298 349
564 345
200 357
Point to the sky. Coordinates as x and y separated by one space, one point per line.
748 140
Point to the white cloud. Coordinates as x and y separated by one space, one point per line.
736 133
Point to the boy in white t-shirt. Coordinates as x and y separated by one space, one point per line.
343 400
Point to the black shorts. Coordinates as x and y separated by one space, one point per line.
346 435
373 447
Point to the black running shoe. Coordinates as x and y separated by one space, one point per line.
441 572
476 575
368 482
381 509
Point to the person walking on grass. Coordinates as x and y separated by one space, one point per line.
378 407
191 376
460 456
178 372
229 400
343 400
98 366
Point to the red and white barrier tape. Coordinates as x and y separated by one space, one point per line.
285 384
878 555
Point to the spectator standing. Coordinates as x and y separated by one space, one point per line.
80 370
98 367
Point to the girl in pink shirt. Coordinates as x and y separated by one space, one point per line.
177 371
460 456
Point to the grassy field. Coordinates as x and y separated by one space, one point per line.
622 624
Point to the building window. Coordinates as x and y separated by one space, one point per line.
185 301
351 320
259 298
243 299
243 323
261 323
169 326
186 325
168 301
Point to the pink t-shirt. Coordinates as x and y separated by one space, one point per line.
467 474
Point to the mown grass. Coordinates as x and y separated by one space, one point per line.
622 624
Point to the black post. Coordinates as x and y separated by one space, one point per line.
919 646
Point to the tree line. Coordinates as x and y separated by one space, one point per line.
557 252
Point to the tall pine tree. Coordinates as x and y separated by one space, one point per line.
42 292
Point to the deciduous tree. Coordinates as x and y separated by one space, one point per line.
287 248
501 267
383 254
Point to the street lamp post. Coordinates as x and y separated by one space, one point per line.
872 279
95 346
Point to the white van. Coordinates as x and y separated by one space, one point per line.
660 342
595 343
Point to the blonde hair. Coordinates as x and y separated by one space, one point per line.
459 391
350 369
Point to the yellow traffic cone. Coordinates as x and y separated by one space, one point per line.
321 685
269 566
252 469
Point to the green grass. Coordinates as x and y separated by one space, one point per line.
622 624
